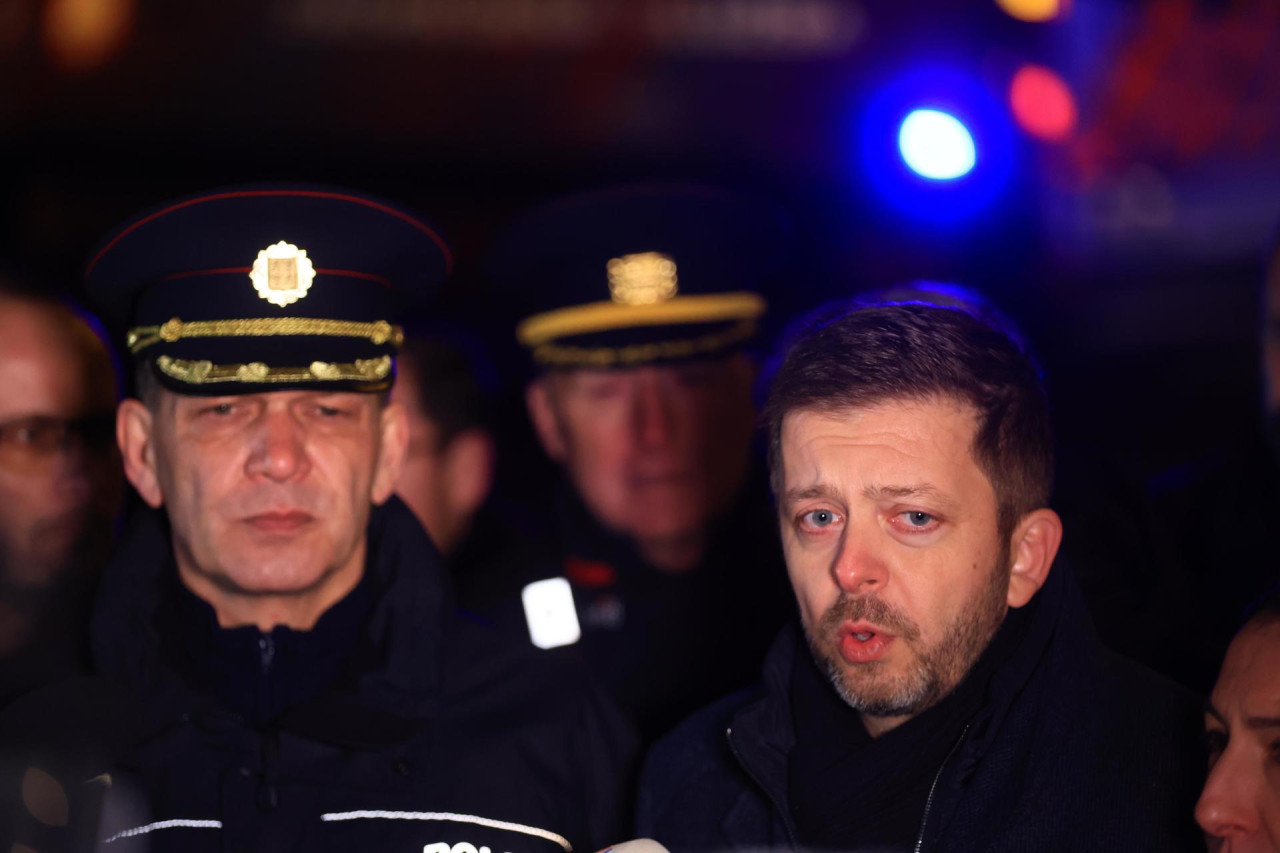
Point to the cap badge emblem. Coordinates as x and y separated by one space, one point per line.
646 278
282 274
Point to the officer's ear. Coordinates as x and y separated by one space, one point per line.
135 433
393 446
1034 545
545 421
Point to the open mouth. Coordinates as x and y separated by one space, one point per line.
862 642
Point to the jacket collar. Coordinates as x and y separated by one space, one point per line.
399 669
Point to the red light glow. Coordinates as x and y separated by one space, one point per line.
1042 103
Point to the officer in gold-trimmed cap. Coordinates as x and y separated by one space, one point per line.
286 665
260 289
639 304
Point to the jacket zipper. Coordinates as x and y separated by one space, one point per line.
928 804
786 817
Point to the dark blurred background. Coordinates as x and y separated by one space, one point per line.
1124 190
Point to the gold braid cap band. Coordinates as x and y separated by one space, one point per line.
604 316
379 332
552 355
201 372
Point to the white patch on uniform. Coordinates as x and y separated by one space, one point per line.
550 614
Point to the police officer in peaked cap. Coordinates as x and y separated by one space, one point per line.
638 304
279 663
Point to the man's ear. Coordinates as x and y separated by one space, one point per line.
392 449
469 462
135 434
1035 544
543 414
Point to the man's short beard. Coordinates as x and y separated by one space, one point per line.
936 671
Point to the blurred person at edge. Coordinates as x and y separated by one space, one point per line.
1239 809
942 688
638 303
61 483
1198 510
449 468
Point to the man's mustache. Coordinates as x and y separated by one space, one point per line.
868 608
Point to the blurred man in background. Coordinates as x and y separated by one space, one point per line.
60 484
640 303
449 468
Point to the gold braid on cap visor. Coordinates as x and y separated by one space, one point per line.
201 372
605 316
378 332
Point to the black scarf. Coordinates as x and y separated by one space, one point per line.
850 791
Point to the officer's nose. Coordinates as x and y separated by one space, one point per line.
858 569
278 447
651 411
1227 807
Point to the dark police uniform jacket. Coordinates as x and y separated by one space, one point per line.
427 734
1074 749
663 644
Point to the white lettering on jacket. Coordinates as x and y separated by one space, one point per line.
460 847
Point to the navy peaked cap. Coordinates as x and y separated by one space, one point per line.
265 288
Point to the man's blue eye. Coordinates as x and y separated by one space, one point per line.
820 517
919 519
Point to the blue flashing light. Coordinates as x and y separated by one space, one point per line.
936 145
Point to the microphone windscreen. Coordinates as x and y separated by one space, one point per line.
636 845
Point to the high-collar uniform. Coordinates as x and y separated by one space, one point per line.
395 724
1066 747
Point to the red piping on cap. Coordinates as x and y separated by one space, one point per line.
399 214
367 276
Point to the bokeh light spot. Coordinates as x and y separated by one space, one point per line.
1042 103
1033 11
936 145
80 35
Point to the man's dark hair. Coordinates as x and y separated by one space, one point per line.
451 384
854 355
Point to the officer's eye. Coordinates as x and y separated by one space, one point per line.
819 518
39 434
917 519
329 411
220 409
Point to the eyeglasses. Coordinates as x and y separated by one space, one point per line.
28 445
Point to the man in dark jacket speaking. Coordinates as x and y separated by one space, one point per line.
280 666
943 690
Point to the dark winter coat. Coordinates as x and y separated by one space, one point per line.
434 732
1075 749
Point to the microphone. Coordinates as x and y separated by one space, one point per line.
636 845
